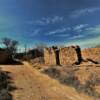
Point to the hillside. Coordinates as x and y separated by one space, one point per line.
32 85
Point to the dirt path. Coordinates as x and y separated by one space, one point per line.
32 85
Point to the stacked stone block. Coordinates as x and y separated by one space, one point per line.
69 55
92 54
50 56
63 56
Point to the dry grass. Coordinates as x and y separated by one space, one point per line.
83 79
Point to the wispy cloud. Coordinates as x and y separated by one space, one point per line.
79 28
35 32
78 13
86 43
95 30
78 37
47 20
58 31
85 30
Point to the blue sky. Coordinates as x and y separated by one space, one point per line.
59 22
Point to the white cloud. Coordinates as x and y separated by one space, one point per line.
79 28
95 29
86 42
87 29
47 20
77 37
58 31
78 13
35 32
56 19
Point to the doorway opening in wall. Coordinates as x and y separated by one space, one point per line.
57 58
78 50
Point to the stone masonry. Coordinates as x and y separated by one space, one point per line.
70 55
63 56
92 54
50 56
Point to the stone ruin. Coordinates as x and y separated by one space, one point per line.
63 56
91 54
51 56
70 55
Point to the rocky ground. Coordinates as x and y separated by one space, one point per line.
84 78
29 84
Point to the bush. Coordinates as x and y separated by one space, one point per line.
4 95
68 76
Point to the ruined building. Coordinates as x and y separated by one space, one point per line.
51 56
70 55
63 56
91 54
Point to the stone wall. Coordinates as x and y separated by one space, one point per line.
63 56
50 56
70 55
92 54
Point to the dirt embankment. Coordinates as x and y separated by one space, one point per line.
32 85
85 79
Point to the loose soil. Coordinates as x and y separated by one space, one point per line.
32 85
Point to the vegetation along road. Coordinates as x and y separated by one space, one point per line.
29 84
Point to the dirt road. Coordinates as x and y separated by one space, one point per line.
33 85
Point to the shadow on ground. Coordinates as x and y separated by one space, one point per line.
6 85
12 62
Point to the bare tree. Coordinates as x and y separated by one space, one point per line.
41 46
11 45
6 42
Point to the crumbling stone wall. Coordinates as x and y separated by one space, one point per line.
92 54
50 56
63 56
70 55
